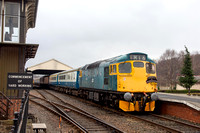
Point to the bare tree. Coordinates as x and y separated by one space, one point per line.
196 63
168 68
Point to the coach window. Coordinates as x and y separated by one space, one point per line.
73 76
80 73
125 68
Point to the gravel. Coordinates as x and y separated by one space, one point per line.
126 124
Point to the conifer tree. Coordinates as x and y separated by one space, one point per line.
187 77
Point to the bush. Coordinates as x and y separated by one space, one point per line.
180 91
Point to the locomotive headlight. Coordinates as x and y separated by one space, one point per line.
154 97
127 96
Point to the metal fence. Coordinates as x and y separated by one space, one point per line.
20 119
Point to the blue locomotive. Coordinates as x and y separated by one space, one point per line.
127 81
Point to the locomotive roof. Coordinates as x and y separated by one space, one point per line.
116 59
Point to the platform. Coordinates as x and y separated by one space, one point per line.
191 101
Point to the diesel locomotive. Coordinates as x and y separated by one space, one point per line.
127 81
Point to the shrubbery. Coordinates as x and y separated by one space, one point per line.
179 91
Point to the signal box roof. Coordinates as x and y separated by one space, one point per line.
30 49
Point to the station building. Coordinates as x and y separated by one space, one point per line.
17 16
47 68
52 64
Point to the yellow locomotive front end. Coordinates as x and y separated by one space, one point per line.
137 78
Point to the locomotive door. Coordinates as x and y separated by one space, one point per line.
106 77
139 76
113 77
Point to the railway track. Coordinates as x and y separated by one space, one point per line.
165 123
84 121
168 124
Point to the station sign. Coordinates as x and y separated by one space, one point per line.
20 81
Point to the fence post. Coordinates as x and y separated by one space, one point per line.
20 119
26 102
16 122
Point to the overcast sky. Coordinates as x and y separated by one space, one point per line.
79 32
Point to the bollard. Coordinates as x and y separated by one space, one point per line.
23 99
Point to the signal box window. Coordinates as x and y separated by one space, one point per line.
125 68
150 68
11 23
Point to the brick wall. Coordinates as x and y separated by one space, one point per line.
12 108
178 110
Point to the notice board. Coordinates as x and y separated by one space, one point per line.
20 81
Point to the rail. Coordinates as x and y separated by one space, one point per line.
82 116
20 119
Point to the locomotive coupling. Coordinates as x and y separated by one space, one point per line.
154 96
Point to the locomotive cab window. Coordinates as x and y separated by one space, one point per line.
125 68
150 68
113 69
138 64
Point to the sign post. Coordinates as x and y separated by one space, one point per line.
22 81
